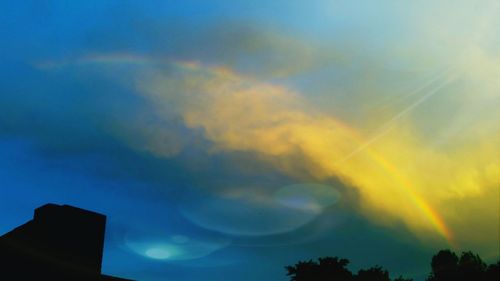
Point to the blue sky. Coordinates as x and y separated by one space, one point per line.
232 138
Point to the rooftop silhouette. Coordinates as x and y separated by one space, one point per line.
59 243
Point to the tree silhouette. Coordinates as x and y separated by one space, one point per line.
303 270
323 270
401 278
493 272
445 266
471 267
335 269
375 273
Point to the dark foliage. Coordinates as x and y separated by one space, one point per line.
445 266
493 272
401 278
321 270
335 269
376 273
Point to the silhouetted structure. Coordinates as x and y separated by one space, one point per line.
60 243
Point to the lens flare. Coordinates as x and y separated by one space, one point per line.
159 252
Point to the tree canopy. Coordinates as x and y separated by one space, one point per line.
445 266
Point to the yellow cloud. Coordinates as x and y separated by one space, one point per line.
399 176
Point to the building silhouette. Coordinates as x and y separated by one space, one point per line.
59 243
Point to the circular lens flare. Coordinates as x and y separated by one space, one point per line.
158 253
173 248
247 216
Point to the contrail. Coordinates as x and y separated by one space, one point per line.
435 77
390 124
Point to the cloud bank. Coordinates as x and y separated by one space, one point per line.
399 176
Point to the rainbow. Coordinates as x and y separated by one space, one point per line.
432 216
425 208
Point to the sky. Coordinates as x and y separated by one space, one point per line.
228 139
